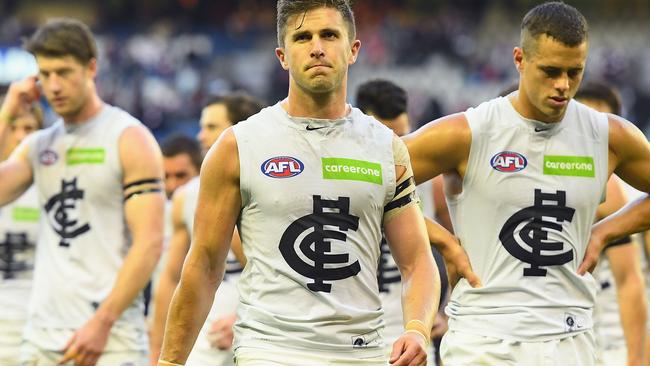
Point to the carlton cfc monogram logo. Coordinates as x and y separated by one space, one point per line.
315 246
67 227
534 232
387 271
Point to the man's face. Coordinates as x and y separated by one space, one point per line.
399 125
66 83
21 127
550 76
214 120
178 171
317 50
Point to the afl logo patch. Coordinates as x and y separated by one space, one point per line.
282 167
48 157
508 162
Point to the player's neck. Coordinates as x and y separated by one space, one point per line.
87 112
322 106
526 109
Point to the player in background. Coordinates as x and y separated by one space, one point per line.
98 172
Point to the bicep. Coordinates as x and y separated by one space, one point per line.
631 152
439 147
406 235
142 183
219 201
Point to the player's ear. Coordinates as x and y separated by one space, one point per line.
518 58
282 57
355 47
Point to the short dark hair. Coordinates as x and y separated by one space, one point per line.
63 37
288 8
239 105
177 144
382 99
597 90
560 21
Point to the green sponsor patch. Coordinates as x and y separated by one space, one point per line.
351 169
85 156
574 166
25 214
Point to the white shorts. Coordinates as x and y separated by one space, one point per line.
612 357
30 355
11 336
245 356
461 349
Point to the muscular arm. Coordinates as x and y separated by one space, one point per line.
16 172
144 217
217 211
441 146
407 237
630 292
629 158
179 245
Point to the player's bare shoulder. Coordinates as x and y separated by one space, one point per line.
625 139
222 160
440 146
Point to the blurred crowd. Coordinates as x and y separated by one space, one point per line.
161 60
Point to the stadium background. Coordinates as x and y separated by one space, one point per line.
162 59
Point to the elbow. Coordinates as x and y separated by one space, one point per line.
153 246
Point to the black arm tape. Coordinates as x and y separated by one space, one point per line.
402 186
141 182
400 202
142 191
622 241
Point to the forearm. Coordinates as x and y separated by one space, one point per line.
439 237
132 278
5 122
632 218
632 302
188 310
421 291
163 298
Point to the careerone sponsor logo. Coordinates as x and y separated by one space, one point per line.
575 166
352 169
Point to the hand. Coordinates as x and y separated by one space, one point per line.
458 265
595 246
440 326
19 96
409 350
87 343
220 334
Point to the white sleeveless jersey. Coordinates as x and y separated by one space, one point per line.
524 216
313 196
19 222
84 239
